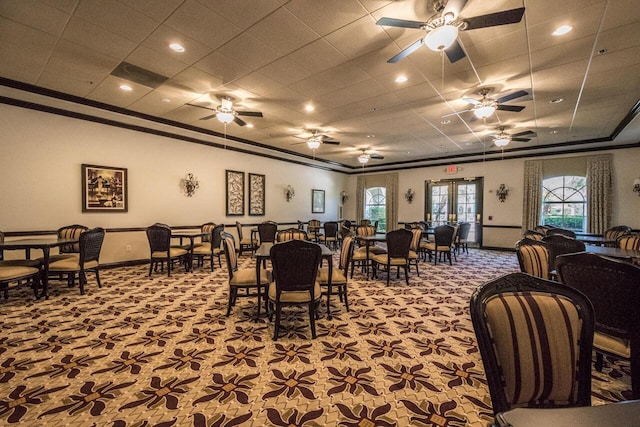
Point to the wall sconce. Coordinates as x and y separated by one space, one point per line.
502 192
344 196
289 192
189 185
636 186
409 195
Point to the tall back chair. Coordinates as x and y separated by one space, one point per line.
340 275
630 242
462 237
291 234
313 229
368 230
71 232
295 272
533 235
90 244
398 246
562 232
614 290
210 248
267 232
245 243
442 243
365 223
534 258
414 248
207 228
535 339
159 237
560 244
330 236
613 233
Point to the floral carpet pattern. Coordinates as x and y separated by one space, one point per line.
159 351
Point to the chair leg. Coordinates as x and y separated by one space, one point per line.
276 327
98 278
346 301
406 274
312 318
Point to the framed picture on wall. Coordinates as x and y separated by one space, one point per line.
104 189
256 194
317 201
235 193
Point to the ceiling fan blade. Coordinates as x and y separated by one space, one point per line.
521 139
376 156
330 142
471 100
402 23
249 113
494 19
407 51
513 95
208 117
454 6
239 121
526 132
455 52
200 106
513 108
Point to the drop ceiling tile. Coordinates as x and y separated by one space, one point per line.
117 18
28 48
66 6
36 14
162 100
222 67
313 87
344 75
202 24
109 92
195 80
358 38
163 64
328 15
160 39
85 33
249 51
158 10
243 13
83 63
285 71
71 84
283 32
318 56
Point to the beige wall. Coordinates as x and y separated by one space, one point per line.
40 182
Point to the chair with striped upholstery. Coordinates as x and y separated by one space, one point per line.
533 235
291 234
210 248
630 242
613 233
415 248
534 258
535 339
245 243
313 229
562 232
340 275
614 289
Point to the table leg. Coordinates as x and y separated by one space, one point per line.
330 261
44 279
366 263
259 288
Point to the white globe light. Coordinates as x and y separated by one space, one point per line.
313 143
225 117
484 111
363 158
441 38
502 140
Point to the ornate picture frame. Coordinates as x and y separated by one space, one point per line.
256 194
317 201
104 189
235 193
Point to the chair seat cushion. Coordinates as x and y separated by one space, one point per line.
173 252
11 272
413 255
203 249
247 277
71 264
248 242
382 259
294 296
430 246
21 263
337 276
359 256
58 257
614 345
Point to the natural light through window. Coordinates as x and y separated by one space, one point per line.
564 202
375 207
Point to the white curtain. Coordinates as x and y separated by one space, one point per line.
532 200
599 193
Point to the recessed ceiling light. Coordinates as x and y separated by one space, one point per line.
562 30
309 107
126 88
401 79
556 101
249 125
176 47
167 100
602 51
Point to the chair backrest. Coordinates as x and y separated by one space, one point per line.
365 230
313 226
412 225
159 237
71 232
207 228
331 229
345 231
216 236
365 222
416 236
560 244
629 242
239 230
542 229
612 286
267 231
562 232
230 253
443 235
291 234
295 266
398 243
346 252
375 225
535 339
534 257
463 231
533 235
346 223
91 245
300 225
614 232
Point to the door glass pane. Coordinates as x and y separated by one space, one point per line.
439 204
467 207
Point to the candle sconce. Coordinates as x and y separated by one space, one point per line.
189 185
636 186
289 192
344 196
502 192
409 195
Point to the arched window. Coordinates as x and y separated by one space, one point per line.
564 202
375 206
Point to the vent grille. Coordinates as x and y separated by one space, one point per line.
138 75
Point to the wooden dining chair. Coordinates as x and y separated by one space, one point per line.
442 244
330 235
18 275
245 243
613 233
291 234
210 248
340 275
535 339
159 237
614 289
267 232
397 255
534 257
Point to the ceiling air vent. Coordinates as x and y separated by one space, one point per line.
138 75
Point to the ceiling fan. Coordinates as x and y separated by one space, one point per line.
226 113
441 30
365 156
503 138
316 138
486 106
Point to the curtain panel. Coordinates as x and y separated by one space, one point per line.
532 201
390 182
599 193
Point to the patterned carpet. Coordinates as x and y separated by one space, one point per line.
160 352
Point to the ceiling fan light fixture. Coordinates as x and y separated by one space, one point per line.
225 116
484 110
441 38
363 158
313 143
502 140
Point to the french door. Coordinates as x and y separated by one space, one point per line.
454 201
